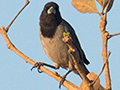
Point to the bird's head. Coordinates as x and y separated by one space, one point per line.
51 13
51 8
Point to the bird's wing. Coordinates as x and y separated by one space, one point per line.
76 42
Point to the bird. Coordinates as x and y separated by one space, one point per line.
51 28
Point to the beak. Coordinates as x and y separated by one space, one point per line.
51 10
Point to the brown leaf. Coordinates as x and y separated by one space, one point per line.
103 3
85 6
110 5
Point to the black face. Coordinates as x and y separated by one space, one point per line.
50 19
51 4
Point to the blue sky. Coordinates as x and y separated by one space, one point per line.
15 74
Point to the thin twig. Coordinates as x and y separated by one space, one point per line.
67 39
27 2
113 35
99 13
102 69
103 8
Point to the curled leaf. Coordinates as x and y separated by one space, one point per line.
85 6
104 3
66 33
110 5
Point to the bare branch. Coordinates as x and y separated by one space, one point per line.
27 2
105 34
109 36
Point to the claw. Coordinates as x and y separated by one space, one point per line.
62 80
39 71
38 64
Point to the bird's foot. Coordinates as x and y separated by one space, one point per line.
62 80
38 64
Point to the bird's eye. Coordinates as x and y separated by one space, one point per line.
56 7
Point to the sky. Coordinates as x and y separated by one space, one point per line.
15 73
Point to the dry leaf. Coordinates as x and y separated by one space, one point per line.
103 3
110 5
85 6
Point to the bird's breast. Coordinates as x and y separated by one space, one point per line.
55 48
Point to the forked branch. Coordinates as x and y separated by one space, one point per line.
113 35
